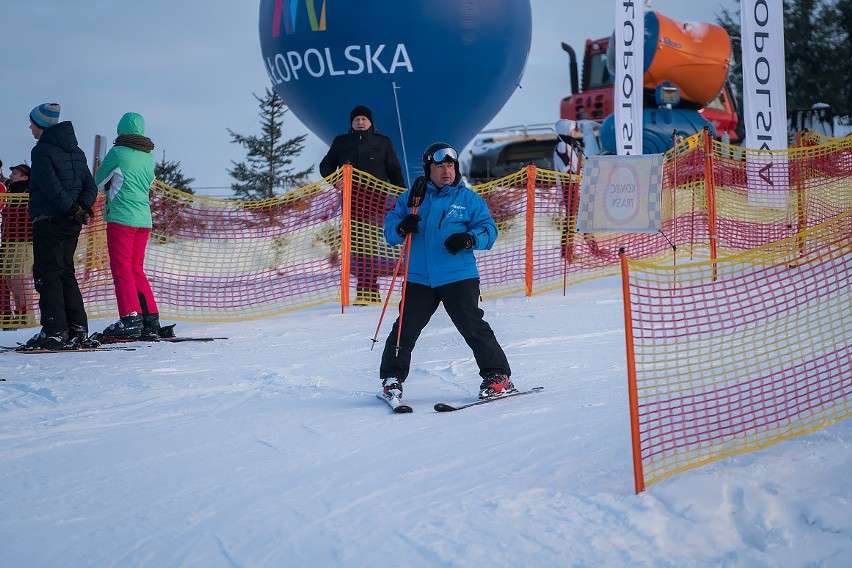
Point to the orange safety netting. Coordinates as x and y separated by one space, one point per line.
18 307
226 259
734 354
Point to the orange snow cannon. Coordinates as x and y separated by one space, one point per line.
693 55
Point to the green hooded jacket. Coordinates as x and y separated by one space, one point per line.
126 175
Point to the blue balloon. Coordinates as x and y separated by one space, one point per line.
450 65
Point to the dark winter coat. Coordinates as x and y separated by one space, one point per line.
59 176
17 227
367 151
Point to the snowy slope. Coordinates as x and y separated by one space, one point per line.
270 449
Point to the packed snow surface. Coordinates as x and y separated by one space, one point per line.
269 448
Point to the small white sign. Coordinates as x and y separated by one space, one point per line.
621 194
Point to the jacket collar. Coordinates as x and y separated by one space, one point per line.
446 190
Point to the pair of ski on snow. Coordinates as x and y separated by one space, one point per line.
21 348
399 407
110 343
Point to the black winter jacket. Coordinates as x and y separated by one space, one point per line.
367 151
59 176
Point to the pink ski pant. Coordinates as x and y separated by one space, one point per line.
126 247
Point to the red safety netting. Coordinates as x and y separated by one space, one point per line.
734 354
227 259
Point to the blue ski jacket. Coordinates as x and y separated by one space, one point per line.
451 209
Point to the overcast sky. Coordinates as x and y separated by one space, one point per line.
190 68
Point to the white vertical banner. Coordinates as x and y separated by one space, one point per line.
764 100
629 68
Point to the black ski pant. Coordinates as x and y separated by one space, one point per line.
60 301
461 301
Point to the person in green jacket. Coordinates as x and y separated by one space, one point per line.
125 176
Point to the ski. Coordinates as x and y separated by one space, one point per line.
113 340
395 403
167 333
21 349
442 407
182 339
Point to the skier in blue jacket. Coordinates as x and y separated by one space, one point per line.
451 221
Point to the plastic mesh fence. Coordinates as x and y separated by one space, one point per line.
739 353
17 298
226 259
763 197
212 259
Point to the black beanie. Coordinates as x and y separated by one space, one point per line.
360 110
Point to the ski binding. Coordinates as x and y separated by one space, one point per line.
395 403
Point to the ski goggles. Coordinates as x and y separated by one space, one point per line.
443 155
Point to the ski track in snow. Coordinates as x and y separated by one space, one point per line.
270 449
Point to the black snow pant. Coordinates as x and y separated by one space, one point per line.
461 301
60 301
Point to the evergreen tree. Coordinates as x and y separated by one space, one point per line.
836 24
817 53
268 164
169 173
731 23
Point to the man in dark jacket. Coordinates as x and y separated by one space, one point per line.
62 192
371 153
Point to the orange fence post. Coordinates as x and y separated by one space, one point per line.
572 208
632 390
800 195
673 197
530 224
345 236
710 190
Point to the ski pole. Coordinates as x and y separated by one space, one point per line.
390 290
416 204
404 286
406 247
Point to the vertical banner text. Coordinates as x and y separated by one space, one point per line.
764 100
629 68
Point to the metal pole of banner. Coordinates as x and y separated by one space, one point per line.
401 135
96 159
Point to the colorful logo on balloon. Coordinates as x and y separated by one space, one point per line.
430 70
287 11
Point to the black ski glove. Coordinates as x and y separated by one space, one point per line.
80 213
408 225
459 241
418 190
